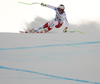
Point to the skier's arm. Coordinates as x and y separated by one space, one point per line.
49 6
66 23
66 27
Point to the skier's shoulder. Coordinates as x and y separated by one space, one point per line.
55 8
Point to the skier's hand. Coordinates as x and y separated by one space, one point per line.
65 30
42 4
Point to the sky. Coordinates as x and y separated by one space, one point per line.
14 15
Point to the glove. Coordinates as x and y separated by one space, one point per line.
42 4
65 30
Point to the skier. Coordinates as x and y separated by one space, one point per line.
56 22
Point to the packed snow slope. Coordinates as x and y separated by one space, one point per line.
57 58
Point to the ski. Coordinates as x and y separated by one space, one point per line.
22 32
28 32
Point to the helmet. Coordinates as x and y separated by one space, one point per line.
61 6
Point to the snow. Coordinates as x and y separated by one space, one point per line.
54 57
51 58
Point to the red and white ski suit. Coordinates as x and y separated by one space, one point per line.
57 21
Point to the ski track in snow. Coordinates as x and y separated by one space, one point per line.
71 44
58 77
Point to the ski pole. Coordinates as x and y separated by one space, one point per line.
79 31
29 3
75 31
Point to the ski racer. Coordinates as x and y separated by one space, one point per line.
57 21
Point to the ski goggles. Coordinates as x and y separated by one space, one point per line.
60 9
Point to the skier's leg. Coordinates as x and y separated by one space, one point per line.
49 25
52 25
35 29
55 24
45 25
59 24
